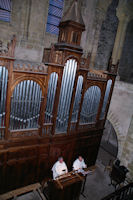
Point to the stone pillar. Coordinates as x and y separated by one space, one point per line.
124 14
120 36
100 15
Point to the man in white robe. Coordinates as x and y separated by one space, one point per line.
79 164
59 168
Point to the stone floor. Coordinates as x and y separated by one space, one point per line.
30 196
97 184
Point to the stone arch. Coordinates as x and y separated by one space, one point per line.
116 125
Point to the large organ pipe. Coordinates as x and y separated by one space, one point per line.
25 105
65 95
90 105
3 88
50 97
109 83
77 99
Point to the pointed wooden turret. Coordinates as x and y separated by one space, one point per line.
71 28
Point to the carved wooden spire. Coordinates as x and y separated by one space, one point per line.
73 14
71 26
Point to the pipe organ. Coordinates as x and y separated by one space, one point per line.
51 109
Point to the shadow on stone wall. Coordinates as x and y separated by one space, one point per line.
126 61
107 37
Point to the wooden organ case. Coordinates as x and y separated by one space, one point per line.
50 109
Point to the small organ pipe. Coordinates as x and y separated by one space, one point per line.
50 96
108 88
90 105
77 99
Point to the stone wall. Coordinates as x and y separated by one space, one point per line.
127 154
121 111
28 23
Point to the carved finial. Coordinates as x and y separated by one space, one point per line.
73 13
11 46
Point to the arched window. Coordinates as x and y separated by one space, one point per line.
51 96
5 10
54 16
90 105
25 105
109 83
3 88
65 95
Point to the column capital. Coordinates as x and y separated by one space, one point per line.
123 17
125 11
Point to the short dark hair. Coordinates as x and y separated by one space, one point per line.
60 158
80 156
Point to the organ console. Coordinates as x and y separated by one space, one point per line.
70 185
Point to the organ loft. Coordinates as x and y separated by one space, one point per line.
54 108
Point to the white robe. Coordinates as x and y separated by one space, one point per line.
77 164
58 169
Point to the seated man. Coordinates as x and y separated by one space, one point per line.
59 168
79 163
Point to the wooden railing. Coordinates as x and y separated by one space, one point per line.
124 193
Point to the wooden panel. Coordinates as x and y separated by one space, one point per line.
25 164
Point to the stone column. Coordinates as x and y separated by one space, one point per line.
120 36
124 14
100 15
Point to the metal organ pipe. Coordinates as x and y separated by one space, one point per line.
25 105
50 97
68 79
90 105
3 88
77 99
109 83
